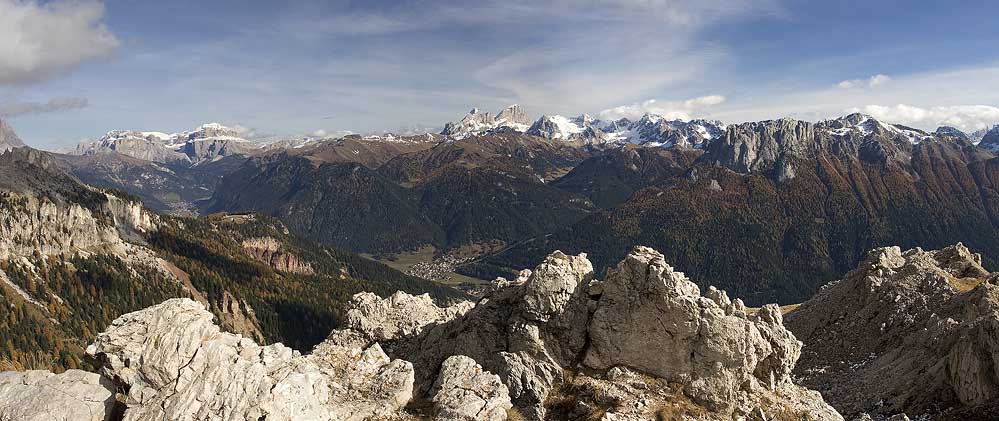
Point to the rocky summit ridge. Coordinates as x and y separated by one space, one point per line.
208 142
906 332
552 344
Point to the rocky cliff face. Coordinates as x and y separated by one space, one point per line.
906 332
8 139
777 144
268 250
134 144
990 139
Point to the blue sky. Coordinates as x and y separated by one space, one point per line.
73 70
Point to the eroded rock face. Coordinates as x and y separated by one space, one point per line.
910 332
398 316
464 392
644 316
178 365
38 395
706 342
268 250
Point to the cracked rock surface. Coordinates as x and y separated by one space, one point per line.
38 395
906 333
557 326
178 365
464 392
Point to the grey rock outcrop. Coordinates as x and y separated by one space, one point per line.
765 145
514 114
477 122
644 316
908 332
268 250
42 396
8 138
176 364
990 139
464 392
399 315
707 343
473 122
134 144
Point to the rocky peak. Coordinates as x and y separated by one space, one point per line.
952 132
477 122
8 138
656 130
145 146
514 114
922 316
990 140
558 127
645 316
214 131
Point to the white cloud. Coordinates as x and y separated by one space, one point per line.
11 108
872 82
878 79
684 110
38 41
965 117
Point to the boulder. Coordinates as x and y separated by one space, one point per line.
176 364
465 392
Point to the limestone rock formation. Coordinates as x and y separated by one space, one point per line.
268 250
398 316
38 395
464 392
135 144
514 114
541 333
708 342
8 138
176 364
910 332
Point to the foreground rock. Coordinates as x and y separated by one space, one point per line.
552 344
559 340
465 392
911 332
176 364
42 396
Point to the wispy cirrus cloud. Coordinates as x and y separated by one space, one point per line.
13 107
39 40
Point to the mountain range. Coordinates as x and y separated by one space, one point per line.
164 310
787 204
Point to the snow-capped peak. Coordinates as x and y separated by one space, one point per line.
477 122
866 125
990 140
